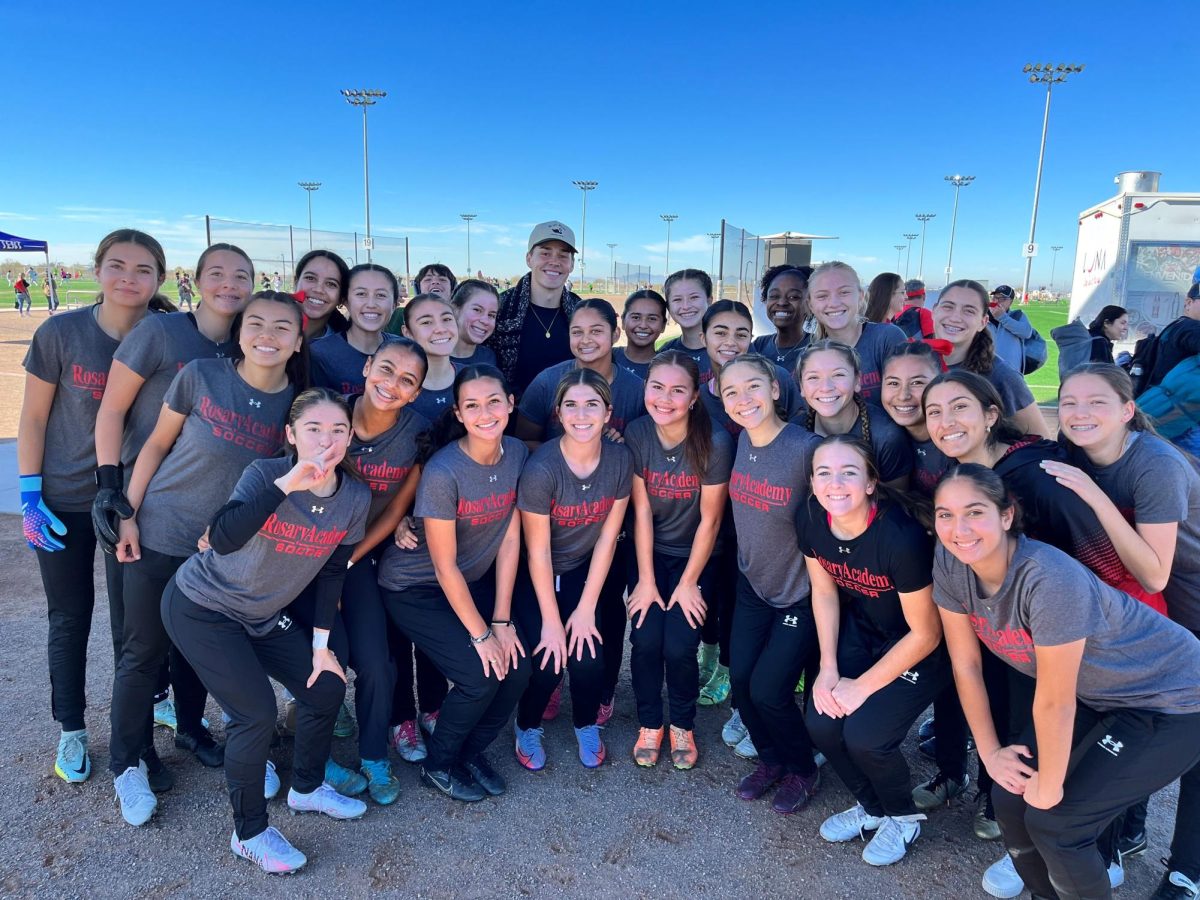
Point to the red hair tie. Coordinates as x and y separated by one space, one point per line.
300 297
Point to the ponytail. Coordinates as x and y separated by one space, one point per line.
981 355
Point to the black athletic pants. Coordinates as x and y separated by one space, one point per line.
477 706
70 599
864 747
367 627
588 674
718 624
236 667
431 686
665 645
611 618
1010 699
769 648
950 728
144 646
1116 758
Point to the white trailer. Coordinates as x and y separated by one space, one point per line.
1139 250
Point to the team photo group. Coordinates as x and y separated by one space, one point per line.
476 505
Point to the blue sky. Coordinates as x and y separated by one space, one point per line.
836 119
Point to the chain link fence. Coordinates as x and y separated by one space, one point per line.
743 258
628 277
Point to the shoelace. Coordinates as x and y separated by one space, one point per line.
648 737
74 749
683 739
531 738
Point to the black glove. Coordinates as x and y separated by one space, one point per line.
110 500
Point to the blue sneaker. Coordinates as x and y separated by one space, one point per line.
326 800
530 752
342 780
136 799
164 714
591 746
344 727
72 763
383 786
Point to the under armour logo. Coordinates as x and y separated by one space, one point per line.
585 487
753 457
780 358
1110 745
842 549
670 459
921 452
791 621
910 676
492 478
285 623
318 509
367 450
441 400
256 403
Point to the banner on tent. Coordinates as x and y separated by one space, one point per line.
12 243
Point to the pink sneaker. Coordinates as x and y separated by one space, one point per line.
429 722
406 738
551 712
604 713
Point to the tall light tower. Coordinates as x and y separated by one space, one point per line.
712 265
899 248
467 217
309 187
584 186
959 182
1049 75
668 218
612 263
908 256
923 218
363 99
1053 266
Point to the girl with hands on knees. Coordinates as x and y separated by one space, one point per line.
869 562
289 521
573 496
1116 707
680 485
66 372
452 594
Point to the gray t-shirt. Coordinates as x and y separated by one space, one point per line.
672 485
483 356
1133 657
641 370
537 403
768 484
480 500
768 346
229 424
157 348
432 404
384 462
789 405
1009 384
71 352
334 364
253 584
577 507
876 340
1153 483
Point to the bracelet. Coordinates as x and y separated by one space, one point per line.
483 637
507 622
320 641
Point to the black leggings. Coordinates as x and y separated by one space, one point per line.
139 667
718 624
478 706
70 598
236 667
611 618
366 624
665 644
1116 758
769 648
864 747
1010 700
588 675
431 686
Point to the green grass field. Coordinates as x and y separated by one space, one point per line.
1046 316
88 288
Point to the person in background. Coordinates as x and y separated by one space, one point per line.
1110 325
1176 342
432 278
1009 327
24 304
886 297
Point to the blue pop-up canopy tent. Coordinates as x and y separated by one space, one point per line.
13 244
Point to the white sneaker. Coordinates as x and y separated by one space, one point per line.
733 731
846 826
134 795
892 840
1001 879
745 748
271 782
326 800
270 851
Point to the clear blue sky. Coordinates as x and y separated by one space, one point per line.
837 119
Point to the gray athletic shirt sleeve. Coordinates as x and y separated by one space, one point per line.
255 583
672 485
157 349
1133 657
577 507
766 487
71 352
480 500
229 424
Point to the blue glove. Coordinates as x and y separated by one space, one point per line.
38 520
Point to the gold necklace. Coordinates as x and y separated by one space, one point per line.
557 310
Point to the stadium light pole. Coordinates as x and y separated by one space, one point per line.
668 218
1049 75
309 187
612 263
908 256
364 99
712 263
584 186
959 182
923 218
467 217
1053 266
899 248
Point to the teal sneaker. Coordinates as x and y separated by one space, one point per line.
164 714
345 723
342 780
383 786
718 688
72 763
707 657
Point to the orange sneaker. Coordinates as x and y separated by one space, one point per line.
645 751
684 754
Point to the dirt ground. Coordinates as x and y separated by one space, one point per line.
618 831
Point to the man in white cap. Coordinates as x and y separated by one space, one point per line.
531 326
